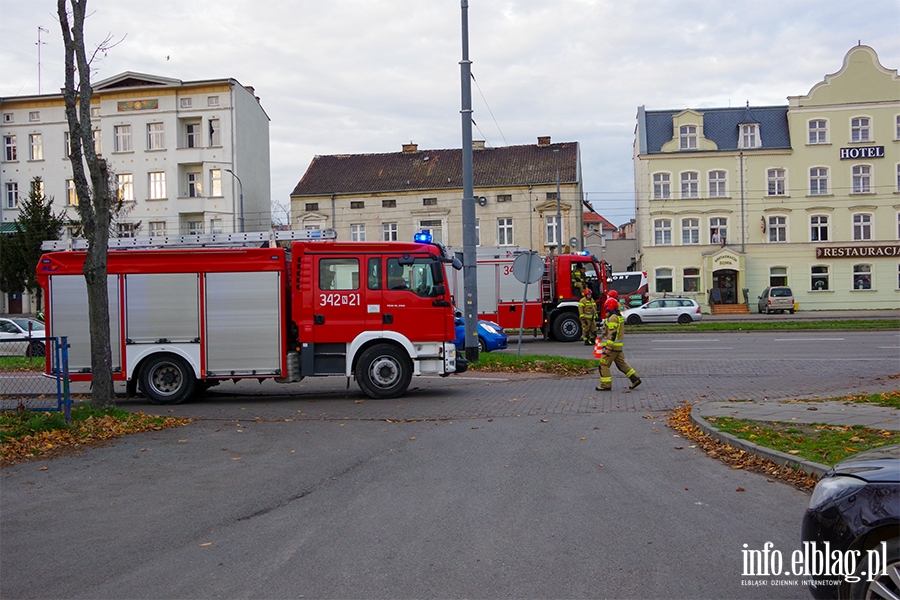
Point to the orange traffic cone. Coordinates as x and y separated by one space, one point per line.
598 348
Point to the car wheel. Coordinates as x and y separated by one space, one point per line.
567 328
35 349
482 345
383 371
167 379
685 318
633 320
791 311
887 584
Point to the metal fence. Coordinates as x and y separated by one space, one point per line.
24 382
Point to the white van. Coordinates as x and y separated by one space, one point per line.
631 286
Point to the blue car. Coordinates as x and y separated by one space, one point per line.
490 336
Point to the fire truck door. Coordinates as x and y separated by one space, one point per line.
339 305
408 299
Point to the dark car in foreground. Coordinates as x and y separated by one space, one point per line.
490 336
853 523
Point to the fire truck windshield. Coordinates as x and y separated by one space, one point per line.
416 277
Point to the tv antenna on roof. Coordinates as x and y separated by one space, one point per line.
39 43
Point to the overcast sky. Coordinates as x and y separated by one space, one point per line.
361 76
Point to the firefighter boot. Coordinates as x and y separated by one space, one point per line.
635 381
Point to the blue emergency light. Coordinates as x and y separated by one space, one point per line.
423 237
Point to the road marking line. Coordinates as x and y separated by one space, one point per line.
808 340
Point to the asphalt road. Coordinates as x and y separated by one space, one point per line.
469 486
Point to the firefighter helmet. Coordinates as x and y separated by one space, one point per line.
611 304
587 291
613 294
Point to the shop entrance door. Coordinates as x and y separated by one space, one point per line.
725 286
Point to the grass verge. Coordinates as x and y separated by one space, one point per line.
533 363
25 434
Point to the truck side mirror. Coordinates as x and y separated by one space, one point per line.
437 272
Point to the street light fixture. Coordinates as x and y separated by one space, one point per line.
241 188
558 207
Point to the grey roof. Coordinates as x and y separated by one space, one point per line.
721 126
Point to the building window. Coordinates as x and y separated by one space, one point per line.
818 228
691 280
897 123
157 185
155 136
126 230
157 228
125 187
434 227
550 227
688 137
690 185
551 195
215 226
71 195
312 206
429 201
195 227
9 118
777 228
662 232
750 136
862 179
35 141
819 277
389 232
95 112
195 184
898 177
10 151
12 194
357 204
862 277
859 129
212 100
215 182
98 142
357 232
778 276
505 232
67 138
504 197
193 134
186 102
214 132
817 131
717 184
34 116
477 232
123 138
775 178
690 231
862 227
37 187
661 186
818 181
664 280
718 229
388 204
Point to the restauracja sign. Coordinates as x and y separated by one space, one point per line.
858 251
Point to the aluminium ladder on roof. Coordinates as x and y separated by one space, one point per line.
198 241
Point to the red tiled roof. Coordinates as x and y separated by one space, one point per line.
591 217
438 169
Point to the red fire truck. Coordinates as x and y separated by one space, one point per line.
185 318
551 304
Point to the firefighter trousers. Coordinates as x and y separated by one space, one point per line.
588 329
616 357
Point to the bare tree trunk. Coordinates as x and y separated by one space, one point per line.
93 199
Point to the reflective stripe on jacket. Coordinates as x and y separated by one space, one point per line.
615 331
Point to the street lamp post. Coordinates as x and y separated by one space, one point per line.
241 208
558 207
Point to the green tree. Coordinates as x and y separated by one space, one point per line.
21 251
96 199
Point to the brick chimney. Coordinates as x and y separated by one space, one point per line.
410 148
544 140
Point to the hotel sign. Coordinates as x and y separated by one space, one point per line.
858 251
862 152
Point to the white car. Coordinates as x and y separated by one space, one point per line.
664 310
19 328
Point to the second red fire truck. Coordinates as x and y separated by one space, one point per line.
185 318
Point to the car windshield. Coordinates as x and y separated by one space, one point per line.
23 324
781 292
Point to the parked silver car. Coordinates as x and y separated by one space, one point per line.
776 298
16 328
664 310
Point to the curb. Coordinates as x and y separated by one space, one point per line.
779 458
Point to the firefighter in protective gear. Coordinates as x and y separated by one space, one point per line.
587 312
613 351
578 280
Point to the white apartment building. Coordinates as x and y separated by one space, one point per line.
187 157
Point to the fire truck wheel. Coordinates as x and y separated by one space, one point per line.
167 379
567 328
383 372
